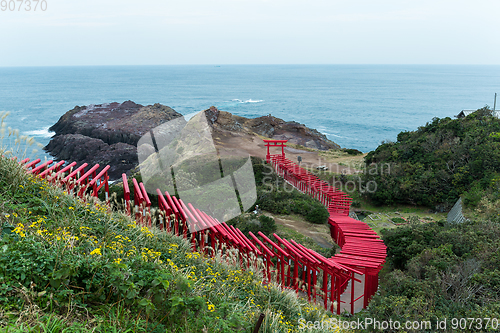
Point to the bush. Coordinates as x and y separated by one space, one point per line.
278 197
318 215
398 220
436 164
292 201
439 270
250 222
352 151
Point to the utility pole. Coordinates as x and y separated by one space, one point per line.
495 103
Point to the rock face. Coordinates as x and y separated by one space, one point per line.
121 157
112 123
106 133
269 127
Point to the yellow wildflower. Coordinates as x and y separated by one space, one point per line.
96 251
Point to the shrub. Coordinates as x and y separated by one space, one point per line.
352 151
436 164
278 197
250 222
398 220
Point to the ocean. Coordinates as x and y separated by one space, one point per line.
356 106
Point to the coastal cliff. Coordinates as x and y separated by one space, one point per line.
115 122
108 133
271 127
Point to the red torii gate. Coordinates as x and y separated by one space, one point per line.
362 250
295 267
275 143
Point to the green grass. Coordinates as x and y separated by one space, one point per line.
382 215
289 233
70 266
389 217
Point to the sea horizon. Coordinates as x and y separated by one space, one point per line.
355 105
254 64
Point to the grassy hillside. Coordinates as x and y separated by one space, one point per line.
273 193
440 270
437 163
71 266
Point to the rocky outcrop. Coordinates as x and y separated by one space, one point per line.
106 133
269 127
109 133
121 157
114 122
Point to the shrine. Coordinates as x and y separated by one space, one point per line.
275 143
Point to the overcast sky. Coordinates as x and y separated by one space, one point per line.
163 32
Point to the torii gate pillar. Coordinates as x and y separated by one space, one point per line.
275 143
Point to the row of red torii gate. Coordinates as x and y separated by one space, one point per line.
344 282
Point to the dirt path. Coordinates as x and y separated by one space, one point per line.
254 146
337 161
320 233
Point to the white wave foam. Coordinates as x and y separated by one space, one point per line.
335 135
252 101
44 133
247 101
